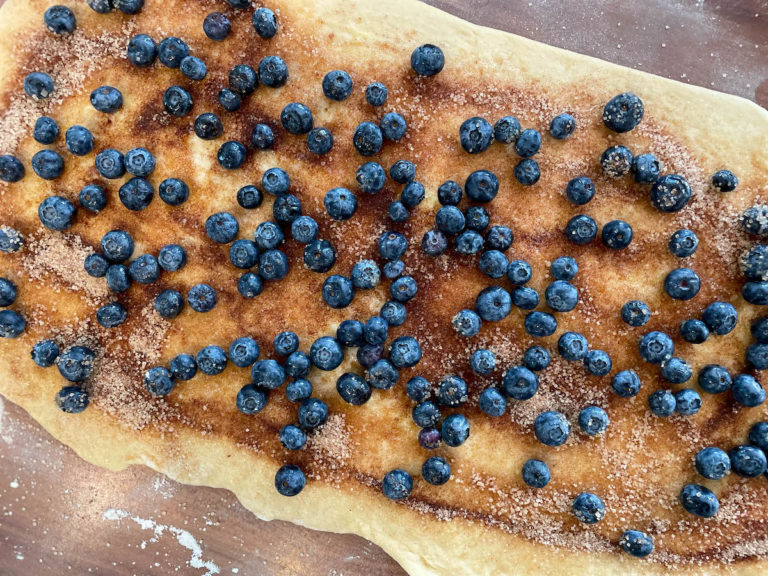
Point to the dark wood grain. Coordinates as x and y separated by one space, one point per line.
60 515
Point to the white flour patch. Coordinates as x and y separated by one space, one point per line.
183 537
164 487
14 483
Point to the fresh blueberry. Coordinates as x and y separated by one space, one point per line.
572 346
144 270
699 500
202 298
286 343
757 356
682 284
350 333
375 330
397 484
754 263
172 51
493 304
676 370
337 85
376 94
483 362
276 181
8 292
369 354
319 141
193 68
48 164
382 375
298 364
687 402
564 268
528 143
626 384
72 399
527 172
340 203
313 413
536 473
713 463
580 190
208 126
499 238
449 193
172 257
617 234
366 274
107 99
110 164
598 362
111 315
398 212
46 130
371 177
636 543
79 140
177 101
427 60
724 181
403 172
130 7
755 293
540 324
714 379
289 479
507 130
139 162
262 136
250 285
759 329
136 194
670 193
251 400
173 191
12 324
758 435
273 72
296 118
273 265
298 390
635 313
229 100
519 272
56 213
588 508
624 112
393 269
392 245
217 26
656 347
338 291
367 139
418 389
683 243
319 256
243 254
75 363
248 197
477 218
466 322
264 22
720 317
525 298
292 437
452 391
45 352
581 229
469 242
243 80
142 51
221 227
118 279
694 331
158 381
11 239
562 126
536 358
561 296
59 20
426 414
475 135
747 391
38 85
455 430
286 208
211 360
326 353
492 402
493 263
267 374
662 403
551 428
646 168
169 304
520 383
412 195
436 471
593 420
616 161
353 389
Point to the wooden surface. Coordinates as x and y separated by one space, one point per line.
60 515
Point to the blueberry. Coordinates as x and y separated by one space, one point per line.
520 383
12 324
340 203
682 284
398 212
46 130
670 193
297 119
75 363
499 238
449 193
683 243
493 263
262 136
326 353
593 420
144 269
107 99
289 479
338 291
536 473
173 191
699 500
636 543
292 437
507 130
562 126
286 343
267 374
211 360
492 402
371 177
208 126
581 229
139 162
540 324
276 181
436 471
469 242
397 484
483 362
217 26
142 51
193 68
527 172
382 374
626 383
243 80
747 391
598 362
8 292
427 60
229 100
202 298
72 399
366 274
375 330
249 285
56 213
452 391
319 141
720 317
519 272
298 365
635 313
376 94
426 414
367 139
536 358
79 140
251 400
402 171
755 293
169 304
646 168
564 268
110 164
475 135
493 304
45 352
392 245
561 296
687 402
754 263
286 208
528 143
714 379
580 190
412 194
38 85
617 234
662 403
588 508
656 347
616 161
676 370
477 218
759 329
572 346
11 239
724 181
353 389
418 389
59 20
136 194
525 298
312 413
118 279
298 390
713 463
111 315
466 322
337 85
393 269
130 7
551 428
48 164
264 22
221 227
369 354
758 435
273 265
350 333
243 254
273 72
455 430
624 112
172 51
172 257
319 256
177 101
